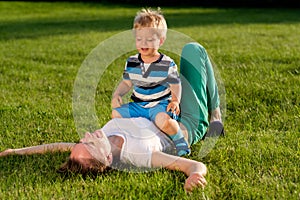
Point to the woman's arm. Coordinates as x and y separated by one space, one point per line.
39 149
193 169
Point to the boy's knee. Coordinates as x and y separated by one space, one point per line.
162 120
165 123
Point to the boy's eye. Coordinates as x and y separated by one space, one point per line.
150 40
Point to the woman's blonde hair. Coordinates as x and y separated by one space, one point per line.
148 18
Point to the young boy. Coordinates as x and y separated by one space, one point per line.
154 78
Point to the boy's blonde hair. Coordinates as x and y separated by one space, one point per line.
148 18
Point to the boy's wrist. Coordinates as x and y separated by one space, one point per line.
175 101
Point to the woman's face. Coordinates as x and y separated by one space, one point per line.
81 155
93 146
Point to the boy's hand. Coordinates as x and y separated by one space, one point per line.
116 102
173 106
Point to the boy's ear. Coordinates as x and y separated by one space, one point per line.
161 41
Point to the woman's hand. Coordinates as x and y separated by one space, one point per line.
195 180
6 152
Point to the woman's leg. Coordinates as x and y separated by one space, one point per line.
199 90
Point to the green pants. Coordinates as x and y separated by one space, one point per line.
199 90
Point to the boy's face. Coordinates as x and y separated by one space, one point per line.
147 40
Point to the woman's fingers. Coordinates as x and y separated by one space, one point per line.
193 181
6 152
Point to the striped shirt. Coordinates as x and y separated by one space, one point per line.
151 83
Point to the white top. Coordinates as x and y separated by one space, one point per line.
141 138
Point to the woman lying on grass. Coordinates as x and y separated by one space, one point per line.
127 144
136 143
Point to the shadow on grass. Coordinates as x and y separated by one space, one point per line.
60 25
57 26
232 16
18 168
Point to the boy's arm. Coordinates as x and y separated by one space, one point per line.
122 89
176 96
176 92
193 169
39 149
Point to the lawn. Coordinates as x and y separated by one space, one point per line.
44 47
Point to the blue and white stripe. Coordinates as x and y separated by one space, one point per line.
151 85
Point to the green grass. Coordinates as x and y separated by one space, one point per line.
256 52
